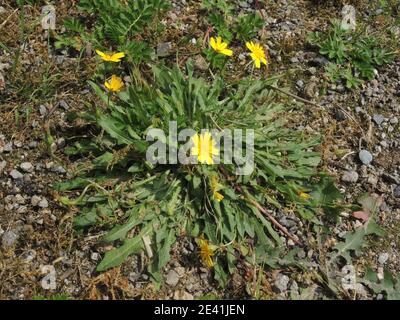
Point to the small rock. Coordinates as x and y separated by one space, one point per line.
9 239
383 257
8 147
35 201
396 192
58 169
380 274
15 174
42 110
3 165
32 144
378 119
49 281
43 203
350 176
172 278
299 84
63 104
164 49
29 256
94 256
281 282
394 120
26 166
182 295
365 157
200 63
19 199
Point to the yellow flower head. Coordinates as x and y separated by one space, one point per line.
219 46
206 253
204 147
304 195
215 187
116 57
114 84
257 53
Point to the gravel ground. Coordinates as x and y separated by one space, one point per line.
41 254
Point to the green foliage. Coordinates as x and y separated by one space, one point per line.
354 55
389 285
116 24
155 204
221 16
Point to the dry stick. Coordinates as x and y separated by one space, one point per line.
275 222
266 213
8 18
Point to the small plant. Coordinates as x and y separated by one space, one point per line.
222 18
116 25
354 56
148 207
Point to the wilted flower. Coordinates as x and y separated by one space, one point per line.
257 53
206 253
215 187
304 195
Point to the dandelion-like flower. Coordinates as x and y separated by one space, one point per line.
257 53
206 253
116 57
114 84
304 195
220 46
204 148
215 187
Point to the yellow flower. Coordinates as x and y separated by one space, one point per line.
304 195
215 187
116 57
206 253
257 53
115 84
219 46
204 148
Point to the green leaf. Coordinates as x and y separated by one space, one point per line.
116 256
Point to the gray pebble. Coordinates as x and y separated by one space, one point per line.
8 147
394 120
365 157
15 174
172 278
63 104
9 239
42 110
396 192
383 257
350 176
164 49
43 203
35 201
281 283
3 165
26 166
378 119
